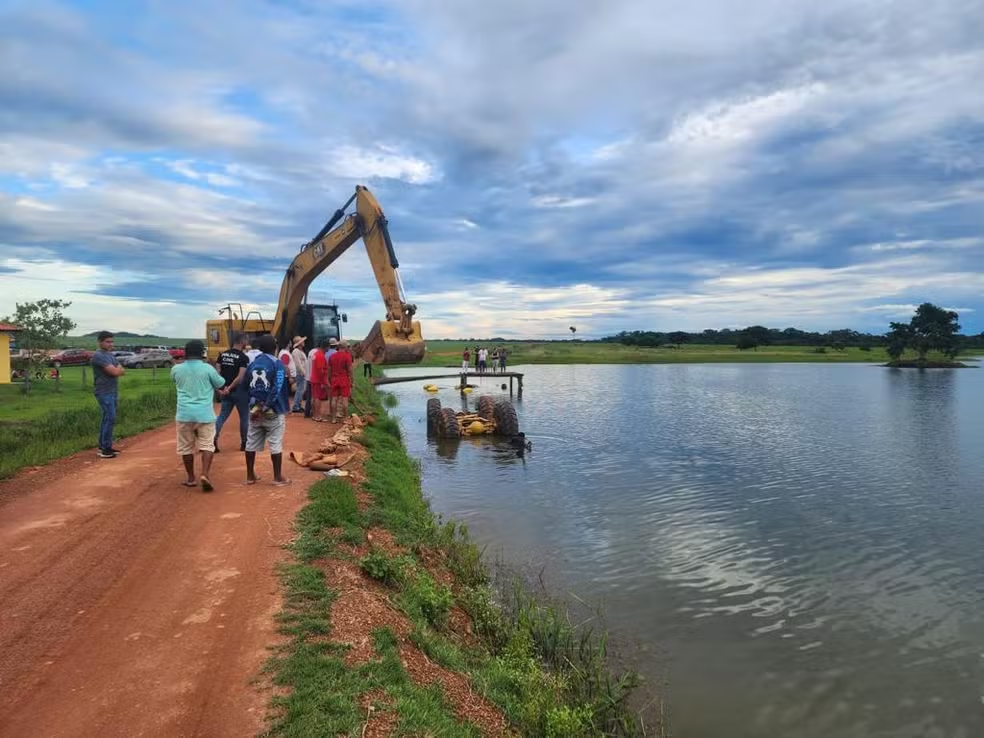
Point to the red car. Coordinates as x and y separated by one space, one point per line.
177 353
69 357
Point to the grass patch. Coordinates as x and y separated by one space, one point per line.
549 676
448 353
45 437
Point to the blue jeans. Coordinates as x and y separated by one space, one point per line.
299 392
108 405
240 401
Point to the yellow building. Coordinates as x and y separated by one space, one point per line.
6 333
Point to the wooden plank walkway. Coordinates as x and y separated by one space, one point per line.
457 375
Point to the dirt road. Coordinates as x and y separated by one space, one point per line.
133 606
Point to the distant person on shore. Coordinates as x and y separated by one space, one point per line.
319 381
465 360
301 369
482 359
495 360
106 371
232 367
196 381
502 360
339 382
269 403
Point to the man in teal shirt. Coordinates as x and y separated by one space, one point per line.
196 381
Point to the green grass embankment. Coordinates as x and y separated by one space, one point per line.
546 676
55 420
448 353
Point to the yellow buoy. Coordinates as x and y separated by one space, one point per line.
430 388
476 427
466 390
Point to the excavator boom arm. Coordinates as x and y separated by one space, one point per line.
396 340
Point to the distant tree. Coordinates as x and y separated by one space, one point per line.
746 341
758 333
899 338
678 337
935 329
42 326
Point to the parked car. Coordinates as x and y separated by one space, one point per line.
120 355
177 353
148 358
70 357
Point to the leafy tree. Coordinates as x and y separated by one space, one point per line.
42 324
746 341
899 338
934 329
758 333
678 337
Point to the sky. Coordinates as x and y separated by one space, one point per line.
616 165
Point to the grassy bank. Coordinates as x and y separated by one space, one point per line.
448 353
441 650
55 421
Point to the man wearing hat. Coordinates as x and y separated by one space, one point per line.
196 381
301 366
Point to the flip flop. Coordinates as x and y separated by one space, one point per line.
186 483
282 483
206 484
253 481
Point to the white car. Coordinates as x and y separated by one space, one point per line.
148 358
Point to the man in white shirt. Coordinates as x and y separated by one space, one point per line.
299 359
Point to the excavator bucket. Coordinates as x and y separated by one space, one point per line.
384 345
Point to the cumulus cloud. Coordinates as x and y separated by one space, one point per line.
617 164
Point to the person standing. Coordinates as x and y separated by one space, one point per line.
232 367
482 358
196 381
308 396
465 360
339 382
269 404
319 381
495 360
106 371
301 368
251 353
502 360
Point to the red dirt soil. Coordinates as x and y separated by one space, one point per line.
133 606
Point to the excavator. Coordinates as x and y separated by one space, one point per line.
394 340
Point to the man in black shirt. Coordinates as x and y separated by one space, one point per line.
232 366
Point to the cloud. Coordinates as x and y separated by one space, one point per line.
691 166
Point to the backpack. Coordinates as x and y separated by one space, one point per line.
265 376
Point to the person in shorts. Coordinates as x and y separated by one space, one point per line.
269 403
196 381
339 382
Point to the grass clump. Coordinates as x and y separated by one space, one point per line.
57 433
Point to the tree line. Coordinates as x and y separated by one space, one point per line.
931 329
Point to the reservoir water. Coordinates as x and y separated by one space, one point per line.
792 550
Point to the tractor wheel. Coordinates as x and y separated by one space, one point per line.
449 427
506 420
486 407
433 415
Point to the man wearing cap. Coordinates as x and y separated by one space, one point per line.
339 382
196 381
300 365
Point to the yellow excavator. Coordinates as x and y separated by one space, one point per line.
395 340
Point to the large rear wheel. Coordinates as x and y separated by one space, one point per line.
449 427
486 407
433 415
506 420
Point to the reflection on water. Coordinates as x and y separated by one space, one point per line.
796 547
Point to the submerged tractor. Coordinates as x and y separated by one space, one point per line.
394 340
491 417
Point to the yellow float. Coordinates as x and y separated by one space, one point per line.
430 387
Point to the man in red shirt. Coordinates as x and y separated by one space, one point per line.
339 382
319 382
